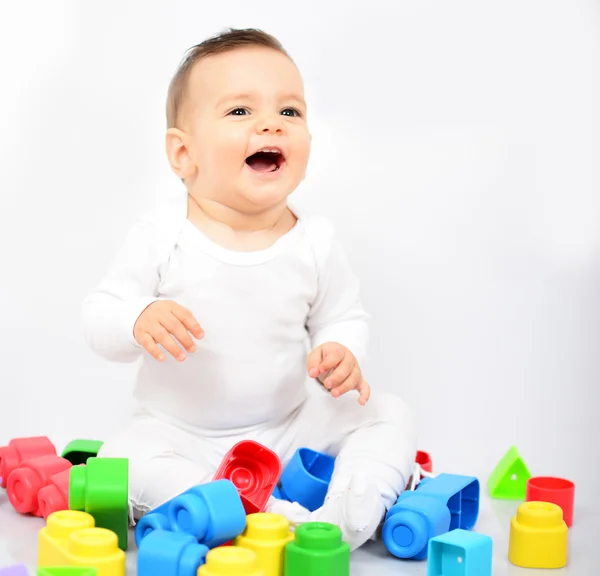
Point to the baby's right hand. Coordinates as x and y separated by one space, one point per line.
162 322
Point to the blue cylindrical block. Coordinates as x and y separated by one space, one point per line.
306 478
212 513
164 553
411 523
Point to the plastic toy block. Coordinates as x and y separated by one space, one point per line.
254 470
70 539
460 553
67 571
78 451
555 490
15 570
20 449
411 523
26 481
266 535
539 537
100 488
55 495
212 513
509 478
306 478
459 493
423 459
230 561
317 550
165 553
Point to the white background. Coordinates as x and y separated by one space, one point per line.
455 144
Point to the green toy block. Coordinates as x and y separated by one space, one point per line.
67 571
508 481
100 488
78 451
317 550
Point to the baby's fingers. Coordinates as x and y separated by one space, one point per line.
350 383
172 325
187 319
365 392
162 337
150 346
340 374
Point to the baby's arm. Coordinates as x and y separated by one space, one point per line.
337 322
124 315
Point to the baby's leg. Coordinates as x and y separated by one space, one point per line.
375 446
164 461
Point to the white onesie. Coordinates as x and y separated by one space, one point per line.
262 313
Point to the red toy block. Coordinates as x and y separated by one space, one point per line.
21 449
423 459
25 483
254 470
55 495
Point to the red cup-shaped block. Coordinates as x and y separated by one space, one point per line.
423 459
554 490
55 496
254 470
21 449
25 483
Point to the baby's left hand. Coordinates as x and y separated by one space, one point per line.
338 370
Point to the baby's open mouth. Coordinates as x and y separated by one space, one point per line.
266 160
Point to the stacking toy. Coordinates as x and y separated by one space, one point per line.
254 470
164 553
266 535
21 449
317 550
55 495
100 488
230 561
70 539
555 490
212 513
539 537
306 478
26 481
460 553
411 523
78 451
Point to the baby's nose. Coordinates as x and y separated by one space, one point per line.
270 125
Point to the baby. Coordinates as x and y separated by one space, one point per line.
242 308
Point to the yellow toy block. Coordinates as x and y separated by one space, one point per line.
230 561
70 538
266 535
539 537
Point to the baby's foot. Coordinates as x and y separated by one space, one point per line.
357 511
294 512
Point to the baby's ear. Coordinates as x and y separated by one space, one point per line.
178 153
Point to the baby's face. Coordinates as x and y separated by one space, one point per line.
246 118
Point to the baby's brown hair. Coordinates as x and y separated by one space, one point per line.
231 39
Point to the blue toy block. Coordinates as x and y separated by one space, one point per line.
411 523
306 478
460 553
277 493
212 513
15 570
459 493
164 553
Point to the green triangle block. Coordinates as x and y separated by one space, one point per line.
508 481
67 571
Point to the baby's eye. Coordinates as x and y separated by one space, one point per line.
290 112
239 112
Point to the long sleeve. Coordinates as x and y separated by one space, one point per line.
337 314
110 311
